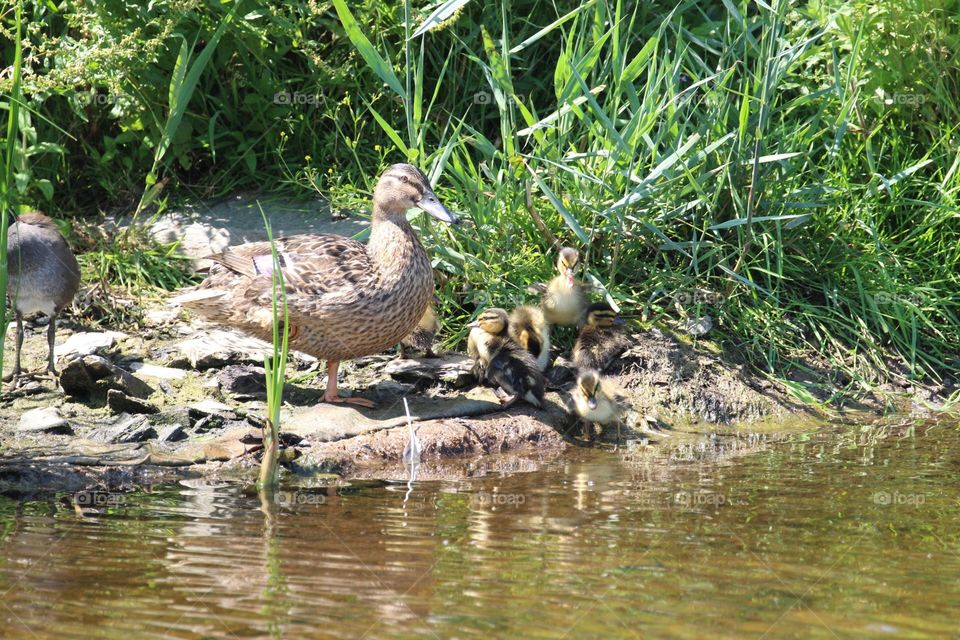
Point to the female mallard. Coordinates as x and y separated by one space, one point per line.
501 361
601 340
564 298
344 299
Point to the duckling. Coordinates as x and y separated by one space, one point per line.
599 401
564 298
601 339
529 329
344 299
422 337
501 361
43 276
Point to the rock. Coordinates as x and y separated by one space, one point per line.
208 423
102 369
160 317
179 417
88 343
127 428
698 326
173 433
75 380
44 420
451 369
216 348
210 407
147 370
243 381
119 402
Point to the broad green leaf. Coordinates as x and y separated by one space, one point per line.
367 51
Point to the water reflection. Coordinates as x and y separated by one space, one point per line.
847 532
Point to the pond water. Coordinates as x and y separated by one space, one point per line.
847 532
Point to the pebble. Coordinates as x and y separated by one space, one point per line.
44 420
88 343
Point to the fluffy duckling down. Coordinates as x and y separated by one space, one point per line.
501 362
602 339
528 328
564 298
599 401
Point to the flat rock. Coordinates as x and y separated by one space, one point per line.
100 368
329 422
87 343
215 348
243 381
44 420
119 402
451 369
147 370
211 407
127 429
172 433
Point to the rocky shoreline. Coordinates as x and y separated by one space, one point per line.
170 398
187 399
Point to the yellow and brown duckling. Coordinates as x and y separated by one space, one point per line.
564 299
422 337
528 328
601 340
599 401
42 277
344 299
501 361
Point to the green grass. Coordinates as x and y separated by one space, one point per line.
790 169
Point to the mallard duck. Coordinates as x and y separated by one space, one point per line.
421 339
529 329
601 338
344 299
501 361
599 401
564 298
42 277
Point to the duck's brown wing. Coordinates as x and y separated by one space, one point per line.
321 273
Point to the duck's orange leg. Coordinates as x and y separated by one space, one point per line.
332 395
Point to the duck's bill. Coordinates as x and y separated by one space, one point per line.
431 204
592 403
